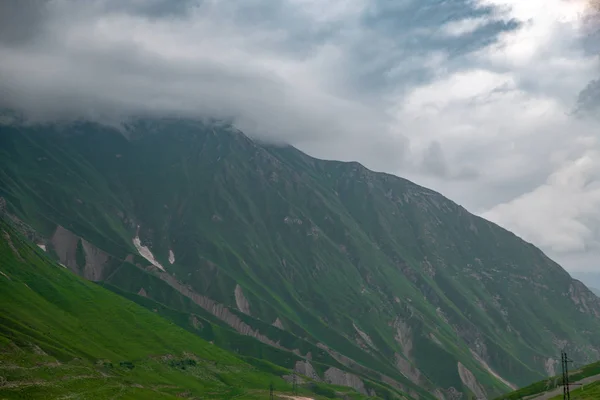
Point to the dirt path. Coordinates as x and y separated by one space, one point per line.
294 397
559 390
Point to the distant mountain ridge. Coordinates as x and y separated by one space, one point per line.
366 279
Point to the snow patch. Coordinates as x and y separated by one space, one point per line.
146 253
42 246
171 256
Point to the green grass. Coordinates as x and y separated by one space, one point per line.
554 382
63 336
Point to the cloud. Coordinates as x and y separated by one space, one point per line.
470 97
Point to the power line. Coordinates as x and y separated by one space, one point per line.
565 375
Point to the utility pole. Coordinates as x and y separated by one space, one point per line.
295 384
565 375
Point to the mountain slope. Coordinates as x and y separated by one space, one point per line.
63 336
371 278
584 384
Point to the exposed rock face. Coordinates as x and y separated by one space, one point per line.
6 237
142 292
278 324
407 369
64 243
195 322
404 361
491 371
338 377
549 366
586 301
241 301
171 257
305 368
364 336
470 381
218 310
95 262
403 336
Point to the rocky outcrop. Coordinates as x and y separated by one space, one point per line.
64 243
195 321
549 366
96 262
218 310
305 368
470 381
241 301
407 369
336 376
485 365
142 292
403 336
366 338
277 323
6 237
584 299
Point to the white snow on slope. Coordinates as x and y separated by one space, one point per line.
171 256
42 246
146 253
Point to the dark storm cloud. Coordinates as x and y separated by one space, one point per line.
286 70
21 20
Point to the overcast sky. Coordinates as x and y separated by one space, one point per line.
491 102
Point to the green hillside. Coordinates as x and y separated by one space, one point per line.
63 336
362 279
586 380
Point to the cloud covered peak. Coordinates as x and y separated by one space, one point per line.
470 97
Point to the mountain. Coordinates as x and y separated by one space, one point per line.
595 291
62 336
348 276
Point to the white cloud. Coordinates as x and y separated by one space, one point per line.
463 27
561 214
453 96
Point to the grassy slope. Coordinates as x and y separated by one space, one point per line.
60 334
371 248
553 382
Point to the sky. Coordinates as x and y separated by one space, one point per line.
493 103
